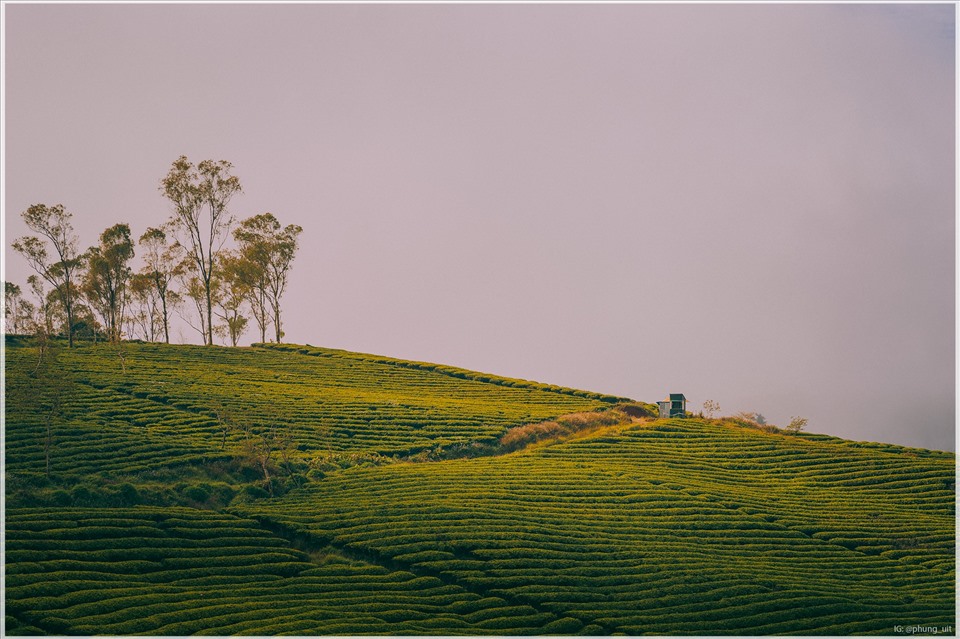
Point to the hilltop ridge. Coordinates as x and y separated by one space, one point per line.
452 371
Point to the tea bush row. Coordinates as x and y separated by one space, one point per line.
246 583
612 518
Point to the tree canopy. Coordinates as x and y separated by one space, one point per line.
188 258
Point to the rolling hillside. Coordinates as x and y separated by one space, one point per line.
299 490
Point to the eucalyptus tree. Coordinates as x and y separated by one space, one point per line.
269 250
18 313
160 260
144 317
141 318
247 271
200 195
107 277
44 311
62 269
12 307
196 294
234 292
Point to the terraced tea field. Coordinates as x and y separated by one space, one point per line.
682 526
677 526
157 406
182 571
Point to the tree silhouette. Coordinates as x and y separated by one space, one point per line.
61 272
108 273
160 262
268 251
200 195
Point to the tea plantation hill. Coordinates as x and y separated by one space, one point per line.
299 490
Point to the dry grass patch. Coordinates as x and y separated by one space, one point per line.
563 426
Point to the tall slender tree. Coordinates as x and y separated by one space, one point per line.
145 316
200 195
248 272
62 270
193 291
12 305
269 250
160 261
108 273
42 320
234 293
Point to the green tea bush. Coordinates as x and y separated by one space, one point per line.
593 630
564 626
81 495
196 492
254 492
14 627
516 622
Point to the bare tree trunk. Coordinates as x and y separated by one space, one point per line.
262 319
166 323
69 308
209 316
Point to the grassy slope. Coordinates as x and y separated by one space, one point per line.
667 527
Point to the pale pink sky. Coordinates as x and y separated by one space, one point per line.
748 203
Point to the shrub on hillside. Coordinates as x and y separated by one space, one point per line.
330 462
797 424
638 409
128 495
61 498
254 492
197 492
82 495
754 420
